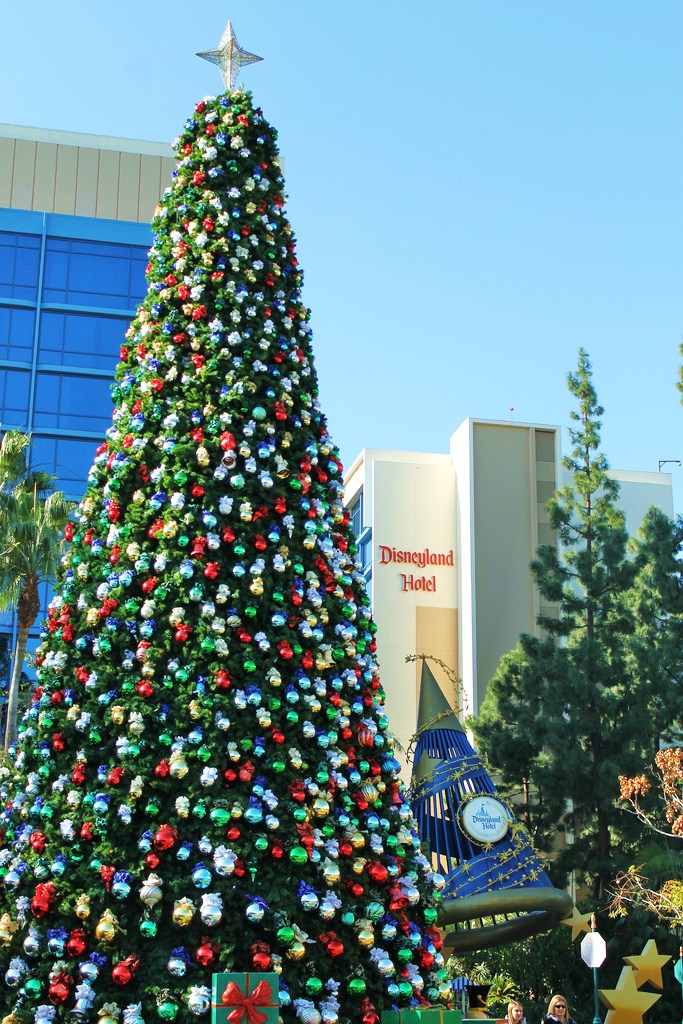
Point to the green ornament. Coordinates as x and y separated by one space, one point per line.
261 843
249 665
180 477
148 929
160 593
33 988
199 810
285 935
298 855
167 1010
208 644
165 739
313 986
405 989
404 956
246 744
239 550
220 816
278 597
292 717
76 852
274 703
356 987
204 754
300 814
47 812
279 766
374 910
258 412
95 864
250 611
127 687
182 675
152 808
430 915
183 540
348 918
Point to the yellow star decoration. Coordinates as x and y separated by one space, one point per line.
648 966
627 1005
577 922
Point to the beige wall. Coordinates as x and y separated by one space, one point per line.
513 473
61 172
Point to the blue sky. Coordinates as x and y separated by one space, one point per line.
478 188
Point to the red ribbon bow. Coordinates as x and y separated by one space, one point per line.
261 996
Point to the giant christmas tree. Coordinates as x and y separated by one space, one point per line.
205 778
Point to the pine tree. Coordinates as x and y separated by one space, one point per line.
205 780
568 711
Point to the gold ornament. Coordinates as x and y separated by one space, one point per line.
107 927
366 937
108 1013
7 929
296 951
118 714
82 908
357 841
320 808
183 912
178 764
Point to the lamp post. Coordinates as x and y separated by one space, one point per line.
678 969
593 953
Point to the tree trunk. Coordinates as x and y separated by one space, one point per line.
13 699
28 607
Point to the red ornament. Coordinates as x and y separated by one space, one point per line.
145 688
369 1014
76 943
261 961
124 972
42 899
115 776
165 837
60 987
233 833
207 953
37 841
152 861
378 873
107 872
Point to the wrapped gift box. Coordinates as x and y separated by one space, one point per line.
250 998
420 1015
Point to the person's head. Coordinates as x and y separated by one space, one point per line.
558 1007
515 1012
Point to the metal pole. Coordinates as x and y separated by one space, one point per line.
596 1015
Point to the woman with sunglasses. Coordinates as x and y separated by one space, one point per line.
558 1012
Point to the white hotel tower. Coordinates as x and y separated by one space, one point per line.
446 542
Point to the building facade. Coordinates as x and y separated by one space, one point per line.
74 235
446 542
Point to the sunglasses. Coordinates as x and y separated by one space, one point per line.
560 1006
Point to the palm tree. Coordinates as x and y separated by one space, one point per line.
32 521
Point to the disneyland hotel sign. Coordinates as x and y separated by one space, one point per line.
423 559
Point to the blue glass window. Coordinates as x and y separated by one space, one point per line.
356 514
16 334
67 459
77 339
100 274
14 389
72 403
19 262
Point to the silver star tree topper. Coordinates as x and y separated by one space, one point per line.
230 57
